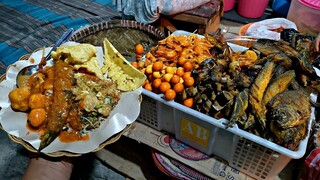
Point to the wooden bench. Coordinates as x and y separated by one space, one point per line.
205 18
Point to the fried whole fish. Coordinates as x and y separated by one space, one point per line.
281 51
278 85
265 47
301 62
282 59
62 98
291 137
257 91
240 106
289 109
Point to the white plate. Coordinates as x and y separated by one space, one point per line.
14 123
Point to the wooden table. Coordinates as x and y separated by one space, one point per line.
205 17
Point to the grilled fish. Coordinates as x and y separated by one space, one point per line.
289 109
291 137
281 51
282 59
278 85
257 90
240 106
265 47
62 98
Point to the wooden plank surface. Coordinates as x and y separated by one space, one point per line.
143 134
130 158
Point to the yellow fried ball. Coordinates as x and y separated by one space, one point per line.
37 117
19 98
37 100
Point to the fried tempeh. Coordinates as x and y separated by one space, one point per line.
62 98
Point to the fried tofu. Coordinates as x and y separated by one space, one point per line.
77 54
82 56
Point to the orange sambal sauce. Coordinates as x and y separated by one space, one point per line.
72 136
42 82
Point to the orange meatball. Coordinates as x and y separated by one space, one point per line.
178 88
37 100
139 49
170 94
19 98
175 79
188 102
135 64
189 81
148 86
186 75
187 67
180 71
164 86
157 66
156 83
37 117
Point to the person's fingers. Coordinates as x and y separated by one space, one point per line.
317 43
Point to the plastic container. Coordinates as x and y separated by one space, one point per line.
251 154
281 7
252 8
305 14
243 29
248 153
228 5
314 4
